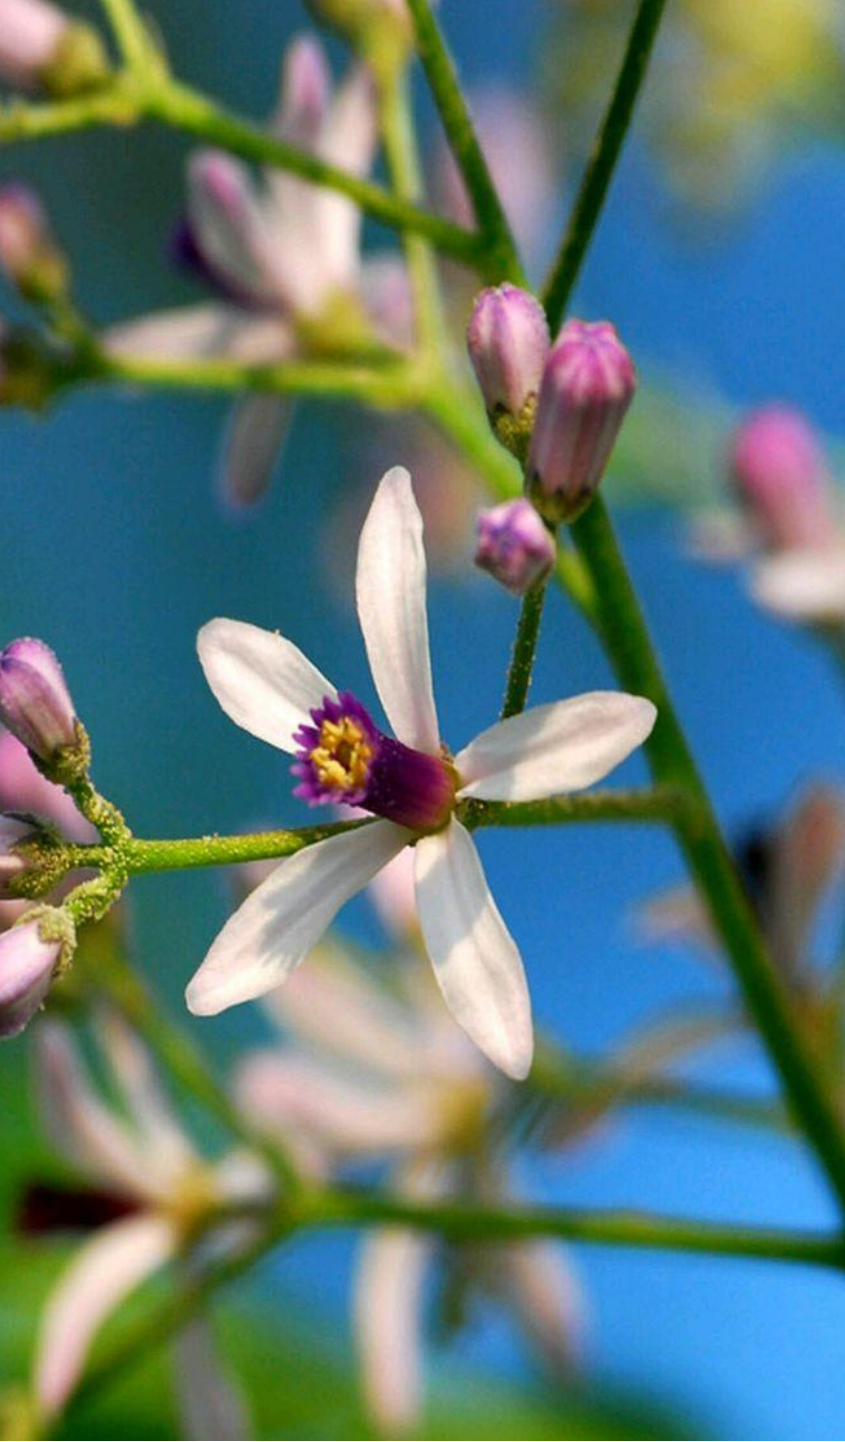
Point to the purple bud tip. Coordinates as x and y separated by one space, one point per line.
514 545
35 704
13 830
27 965
588 383
508 342
781 477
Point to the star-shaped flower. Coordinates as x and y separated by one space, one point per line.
410 781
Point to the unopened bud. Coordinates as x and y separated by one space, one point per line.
35 704
28 962
43 50
28 253
514 545
588 384
781 478
508 343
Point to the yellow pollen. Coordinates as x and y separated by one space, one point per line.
342 759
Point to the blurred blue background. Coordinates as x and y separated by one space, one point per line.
115 551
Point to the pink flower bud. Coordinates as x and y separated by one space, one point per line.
41 49
27 966
781 478
23 788
588 384
35 704
514 545
508 342
28 252
13 830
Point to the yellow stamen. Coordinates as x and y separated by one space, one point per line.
342 759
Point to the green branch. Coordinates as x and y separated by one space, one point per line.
457 122
524 647
595 184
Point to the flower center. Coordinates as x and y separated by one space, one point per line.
344 757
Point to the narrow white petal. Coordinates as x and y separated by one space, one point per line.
550 749
211 1404
388 1327
262 681
390 590
287 915
538 1280
162 1142
198 331
80 1126
228 221
101 1275
255 437
806 586
475 958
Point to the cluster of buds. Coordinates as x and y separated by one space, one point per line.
44 51
29 255
557 406
37 710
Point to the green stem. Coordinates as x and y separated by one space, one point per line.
389 386
454 113
524 647
599 173
658 804
469 1222
697 830
129 31
404 167
136 855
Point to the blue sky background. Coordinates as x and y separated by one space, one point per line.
115 552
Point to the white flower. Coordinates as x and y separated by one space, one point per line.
366 1076
147 1164
266 685
285 258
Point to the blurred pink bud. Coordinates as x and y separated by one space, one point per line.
27 965
41 48
35 704
508 342
13 830
588 385
28 252
779 471
23 788
514 545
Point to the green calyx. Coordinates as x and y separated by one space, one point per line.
78 64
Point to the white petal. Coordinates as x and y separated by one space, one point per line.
101 1275
204 331
287 915
211 1404
802 585
538 1280
262 681
336 1008
388 1326
255 437
475 959
550 749
80 1126
229 224
390 590
286 1093
163 1143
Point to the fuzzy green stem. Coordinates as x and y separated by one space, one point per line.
454 113
136 856
129 31
697 830
599 173
524 647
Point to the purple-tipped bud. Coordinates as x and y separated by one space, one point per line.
35 704
514 545
508 342
588 384
781 477
28 253
42 49
27 966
